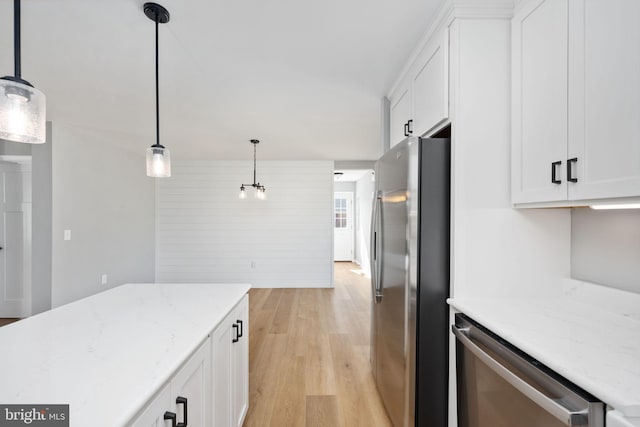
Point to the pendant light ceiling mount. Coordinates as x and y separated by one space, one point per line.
158 157
259 188
156 12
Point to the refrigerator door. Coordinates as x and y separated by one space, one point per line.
390 302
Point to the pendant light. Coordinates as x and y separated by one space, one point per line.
22 106
259 189
158 157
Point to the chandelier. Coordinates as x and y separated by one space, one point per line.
259 189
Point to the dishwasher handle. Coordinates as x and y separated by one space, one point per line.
568 417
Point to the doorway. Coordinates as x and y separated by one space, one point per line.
343 226
15 236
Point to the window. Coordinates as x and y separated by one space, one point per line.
340 213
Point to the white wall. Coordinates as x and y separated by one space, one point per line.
207 234
605 247
364 203
100 193
496 250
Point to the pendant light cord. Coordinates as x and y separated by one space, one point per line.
16 39
157 89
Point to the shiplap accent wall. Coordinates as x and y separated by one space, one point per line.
205 233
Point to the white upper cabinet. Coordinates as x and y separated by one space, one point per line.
539 120
575 101
430 86
401 115
421 100
604 98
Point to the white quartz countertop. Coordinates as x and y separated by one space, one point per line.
589 334
106 355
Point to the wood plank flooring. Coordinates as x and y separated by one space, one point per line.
7 321
309 356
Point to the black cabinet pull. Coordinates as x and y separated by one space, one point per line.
410 127
182 401
235 338
241 328
570 177
554 167
406 129
170 416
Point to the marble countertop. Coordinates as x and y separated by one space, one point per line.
106 355
589 334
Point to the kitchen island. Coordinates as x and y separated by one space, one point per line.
112 355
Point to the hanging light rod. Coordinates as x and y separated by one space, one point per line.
22 106
158 157
259 188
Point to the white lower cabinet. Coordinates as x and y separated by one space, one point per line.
230 343
153 414
212 387
240 366
184 400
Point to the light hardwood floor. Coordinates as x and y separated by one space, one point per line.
309 356
7 321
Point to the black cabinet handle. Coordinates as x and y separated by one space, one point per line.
554 167
241 328
406 129
570 177
170 416
410 127
235 338
182 401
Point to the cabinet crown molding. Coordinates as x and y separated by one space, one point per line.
448 11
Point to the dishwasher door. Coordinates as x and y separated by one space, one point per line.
499 386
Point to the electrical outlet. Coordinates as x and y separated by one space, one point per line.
67 234
253 264
103 279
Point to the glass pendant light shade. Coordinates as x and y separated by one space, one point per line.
243 193
158 162
22 113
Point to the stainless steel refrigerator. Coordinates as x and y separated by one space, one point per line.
410 281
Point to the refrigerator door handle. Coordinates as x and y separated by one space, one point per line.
374 248
376 241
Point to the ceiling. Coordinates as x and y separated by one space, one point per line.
305 77
350 175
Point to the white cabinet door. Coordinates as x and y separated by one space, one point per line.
539 101
221 352
231 367
191 388
153 414
604 98
240 365
400 114
430 86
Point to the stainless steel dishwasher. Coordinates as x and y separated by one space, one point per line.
500 386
